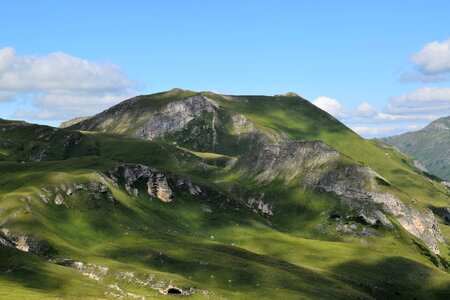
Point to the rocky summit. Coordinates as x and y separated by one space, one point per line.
210 196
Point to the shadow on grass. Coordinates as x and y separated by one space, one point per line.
396 278
233 268
27 270
441 213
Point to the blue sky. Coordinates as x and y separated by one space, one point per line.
381 67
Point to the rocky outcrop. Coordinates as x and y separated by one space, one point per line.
157 186
95 188
59 199
192 188
122 280
376 207
44 198
6 242
318 166
131 174
241 124
175 116
257 203
19 241
420 166
90 270
288 159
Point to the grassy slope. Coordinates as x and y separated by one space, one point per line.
245 257
430 146
235 253
178 236
299 119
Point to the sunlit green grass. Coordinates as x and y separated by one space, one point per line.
212 241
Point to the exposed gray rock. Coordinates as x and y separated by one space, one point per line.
242 124
126 278
79 187
157 184
59 199
6 242
175 116
288 159
288 94
105 179
347 228
318 166
43 198
63 187
193 189
38 152
97 187
111 198
436 125
351 184
420 166
14 240
90 270
205 208
256 201
47 191
131 191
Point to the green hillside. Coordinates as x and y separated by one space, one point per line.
430 145
215 197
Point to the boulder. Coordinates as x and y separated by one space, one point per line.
59 199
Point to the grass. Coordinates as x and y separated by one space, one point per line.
212 241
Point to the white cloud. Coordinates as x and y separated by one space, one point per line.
424 78
62 84
433 58
42 114
365 110
427 100
413 110
331 106
372 130
403 113
407 112
413 127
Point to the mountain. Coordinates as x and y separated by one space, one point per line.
218 197
430 145
72 122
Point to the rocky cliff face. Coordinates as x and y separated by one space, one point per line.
175 116
288 159
319 167
242 124
156 182
377 207
133 178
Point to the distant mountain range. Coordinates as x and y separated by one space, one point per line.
430 145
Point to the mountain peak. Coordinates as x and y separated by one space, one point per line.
439 124
430 145
288 94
